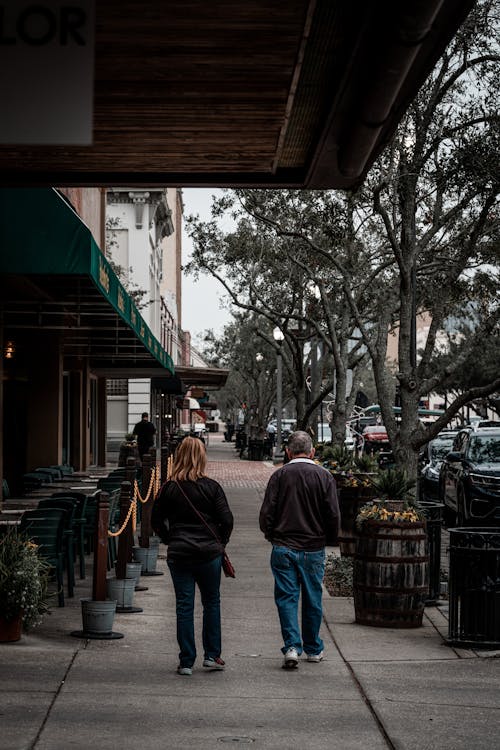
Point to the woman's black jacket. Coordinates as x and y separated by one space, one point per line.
177 524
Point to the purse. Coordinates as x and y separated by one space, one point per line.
227 565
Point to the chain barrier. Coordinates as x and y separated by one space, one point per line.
152 482
132 511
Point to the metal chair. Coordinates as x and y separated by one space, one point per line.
69 505
45 527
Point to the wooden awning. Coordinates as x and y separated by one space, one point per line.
303 93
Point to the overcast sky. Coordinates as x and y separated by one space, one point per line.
200 299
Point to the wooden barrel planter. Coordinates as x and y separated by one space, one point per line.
391 574
351 499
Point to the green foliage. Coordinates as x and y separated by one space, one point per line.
23 580
393 484
338 457
366 463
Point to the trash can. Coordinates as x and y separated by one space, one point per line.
474 588
256 450
433 513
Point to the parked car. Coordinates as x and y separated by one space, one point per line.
375 438
430 461
469 481
325 435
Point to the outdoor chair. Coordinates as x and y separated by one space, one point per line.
64 469
79 522
69 505
33 480
45 527
55 474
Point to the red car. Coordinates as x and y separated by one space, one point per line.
375 438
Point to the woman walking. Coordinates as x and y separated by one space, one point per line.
192 516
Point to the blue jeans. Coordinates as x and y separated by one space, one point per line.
185 577
297 572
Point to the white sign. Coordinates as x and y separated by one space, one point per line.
47 72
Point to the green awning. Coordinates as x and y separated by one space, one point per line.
43 239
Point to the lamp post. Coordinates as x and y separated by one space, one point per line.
278 336
259 358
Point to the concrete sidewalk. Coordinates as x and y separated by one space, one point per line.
376 688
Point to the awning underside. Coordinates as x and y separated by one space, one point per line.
75 309
54 278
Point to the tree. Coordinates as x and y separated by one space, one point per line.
250 382
270 251
434 194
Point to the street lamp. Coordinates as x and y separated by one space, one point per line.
278 336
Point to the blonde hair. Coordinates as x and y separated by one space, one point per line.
190 460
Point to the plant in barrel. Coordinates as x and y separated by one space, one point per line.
391 565
353 475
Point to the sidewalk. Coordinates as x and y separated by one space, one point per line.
376 688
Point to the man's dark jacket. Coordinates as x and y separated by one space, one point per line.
300 508
145 432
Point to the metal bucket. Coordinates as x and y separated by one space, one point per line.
122 591
147 556
98 617
134 571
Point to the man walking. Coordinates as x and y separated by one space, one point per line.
145 431
299 516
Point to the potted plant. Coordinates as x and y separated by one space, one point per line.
391 565
129 449
352 475
24 577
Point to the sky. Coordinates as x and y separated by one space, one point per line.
200 299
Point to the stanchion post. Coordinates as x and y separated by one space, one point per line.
101 548
147 507
126 539
164 454
130 470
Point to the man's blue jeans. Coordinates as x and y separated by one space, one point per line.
297 572
185 577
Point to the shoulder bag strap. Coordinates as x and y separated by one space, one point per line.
197 512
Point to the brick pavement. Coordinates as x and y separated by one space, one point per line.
246 474
226 467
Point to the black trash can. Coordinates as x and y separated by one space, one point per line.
433 513
256 450
474 588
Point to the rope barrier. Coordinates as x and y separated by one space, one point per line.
152 482
132 511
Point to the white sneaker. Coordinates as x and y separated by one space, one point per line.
315 657
215 664
185 671
291 660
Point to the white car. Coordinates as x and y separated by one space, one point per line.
325 435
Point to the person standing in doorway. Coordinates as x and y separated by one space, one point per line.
145 432
299 516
